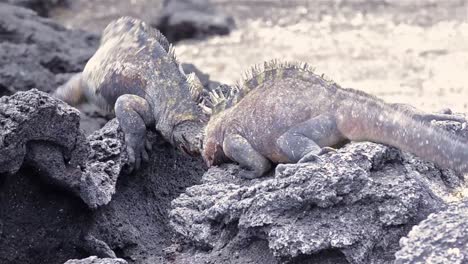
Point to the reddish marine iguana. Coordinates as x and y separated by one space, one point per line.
135 73
285 113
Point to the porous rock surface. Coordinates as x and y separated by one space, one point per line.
96 260
441 238
33 50
42 7
44 132
353 206
181 19
45 158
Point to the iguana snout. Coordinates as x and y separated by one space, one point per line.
213 153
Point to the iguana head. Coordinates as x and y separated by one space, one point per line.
212 152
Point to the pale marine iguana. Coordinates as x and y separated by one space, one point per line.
135 73
285 113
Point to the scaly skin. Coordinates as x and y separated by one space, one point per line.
288 114
134 72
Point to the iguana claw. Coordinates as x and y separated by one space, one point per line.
248 174
316 156
137 153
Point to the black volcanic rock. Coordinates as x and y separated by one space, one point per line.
182 19
95 260
51 175
33 50
42 7
43 132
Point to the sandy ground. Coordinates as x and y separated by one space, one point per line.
407 51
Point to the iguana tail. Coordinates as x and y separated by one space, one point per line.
369 120
71 92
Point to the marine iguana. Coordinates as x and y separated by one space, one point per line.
135 73
285 113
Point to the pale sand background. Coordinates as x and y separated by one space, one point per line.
407 51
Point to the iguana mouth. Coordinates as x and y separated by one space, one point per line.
186 151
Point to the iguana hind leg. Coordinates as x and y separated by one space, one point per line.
310 139
239 149
134 115
443 115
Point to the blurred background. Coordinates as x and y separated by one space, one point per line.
406 51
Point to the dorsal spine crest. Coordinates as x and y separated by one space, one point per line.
256 76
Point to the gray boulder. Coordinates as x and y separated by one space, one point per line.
33 50
96 260
42 7
353 206
44 132
441 238
181 19
45 159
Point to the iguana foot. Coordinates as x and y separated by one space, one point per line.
136 151
310 157
313 156
134 115
445 114
247 174
238 149
326 150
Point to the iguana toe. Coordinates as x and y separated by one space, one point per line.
137 154
248 174
326 150
310 157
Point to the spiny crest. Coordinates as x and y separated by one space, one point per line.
161 39
222 98
219 99
272 70
171 53
195 86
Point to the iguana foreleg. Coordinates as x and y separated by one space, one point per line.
239 149
306 141
134 115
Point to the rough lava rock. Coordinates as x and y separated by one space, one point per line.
41 222
96 260
33 50
182 19
34 116
353 206
441 238
44 132
42 7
